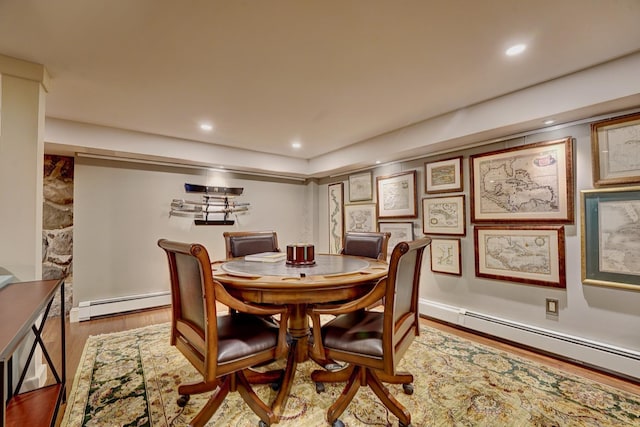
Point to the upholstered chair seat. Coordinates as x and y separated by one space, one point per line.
357 332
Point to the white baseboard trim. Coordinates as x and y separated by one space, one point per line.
88 309
581 350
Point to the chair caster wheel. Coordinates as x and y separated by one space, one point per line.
183 400
262 424
337 423
408 388
275 386
319 387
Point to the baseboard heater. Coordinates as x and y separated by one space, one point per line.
103 307
606 357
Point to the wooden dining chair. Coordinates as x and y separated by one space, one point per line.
222 347
241 243
373 342
366 244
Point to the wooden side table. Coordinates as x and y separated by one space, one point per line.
20 306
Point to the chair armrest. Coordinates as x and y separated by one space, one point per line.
373 296
230 301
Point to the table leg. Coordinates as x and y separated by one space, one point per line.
280 401
298 352
299 330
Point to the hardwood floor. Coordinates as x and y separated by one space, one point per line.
77 334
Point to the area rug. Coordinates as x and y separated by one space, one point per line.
130 379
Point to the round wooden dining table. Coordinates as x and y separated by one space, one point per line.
332 279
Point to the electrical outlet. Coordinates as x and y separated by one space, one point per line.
552 306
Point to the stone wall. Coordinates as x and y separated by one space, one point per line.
57 224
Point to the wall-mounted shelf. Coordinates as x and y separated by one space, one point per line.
214 208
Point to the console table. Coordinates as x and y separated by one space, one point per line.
20 306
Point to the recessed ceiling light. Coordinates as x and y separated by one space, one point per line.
549 122
516 49
207 127
378 162
296 145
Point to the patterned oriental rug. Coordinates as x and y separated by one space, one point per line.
130 379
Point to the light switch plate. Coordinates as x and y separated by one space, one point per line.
552 306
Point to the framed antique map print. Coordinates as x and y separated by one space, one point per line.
360 217
400 232
531 183
444 215
443 176
397 195
445 256
336 217
610 237
615 147
360 187
525 254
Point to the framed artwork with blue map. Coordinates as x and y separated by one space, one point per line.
529 183
610 237
527 254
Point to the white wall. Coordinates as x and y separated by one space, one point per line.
122 209
608 316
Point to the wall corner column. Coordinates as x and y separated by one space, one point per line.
23 88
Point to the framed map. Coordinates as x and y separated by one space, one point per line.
610 237
444 215
615 146
397 195
446 257
360 187
336 217
524 184
400 232
443 176
529 254
360 217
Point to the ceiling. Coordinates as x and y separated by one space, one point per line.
327 73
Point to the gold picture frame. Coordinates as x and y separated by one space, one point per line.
615 149
360 187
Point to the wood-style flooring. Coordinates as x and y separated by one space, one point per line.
77 334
